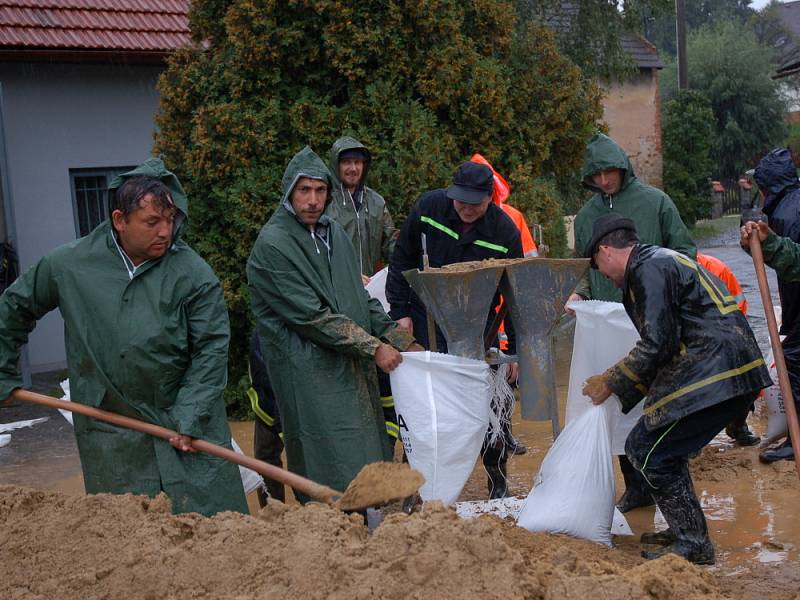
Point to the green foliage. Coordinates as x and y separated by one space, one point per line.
423 83
660 29
590 33
732 70
793 139
687 135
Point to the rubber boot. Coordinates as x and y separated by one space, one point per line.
637 492
662 538
682 511
513 445
783 451
498 482
740 433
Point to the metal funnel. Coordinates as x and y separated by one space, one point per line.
537 289
459 297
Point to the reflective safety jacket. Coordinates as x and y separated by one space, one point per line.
367 221
696 347
655 215
448 241
149 343
723 272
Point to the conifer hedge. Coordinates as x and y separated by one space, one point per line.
422 83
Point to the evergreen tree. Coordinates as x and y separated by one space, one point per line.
423 83
732 70
687 135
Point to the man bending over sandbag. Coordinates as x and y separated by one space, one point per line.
697 365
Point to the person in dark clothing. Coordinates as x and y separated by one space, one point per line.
776 176
697 366
461 224
267 437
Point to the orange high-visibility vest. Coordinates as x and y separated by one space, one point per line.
719 269
500 194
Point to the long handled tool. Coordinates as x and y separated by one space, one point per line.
777 349
301 484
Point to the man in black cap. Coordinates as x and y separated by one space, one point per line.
460 224
697 366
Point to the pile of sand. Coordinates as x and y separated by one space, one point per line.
735 463
57 546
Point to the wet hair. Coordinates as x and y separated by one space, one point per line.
129 195
619 238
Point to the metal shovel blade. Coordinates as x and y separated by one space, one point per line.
459 299
537 289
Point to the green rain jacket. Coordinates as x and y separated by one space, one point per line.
152 345
370 228
655 215
319 332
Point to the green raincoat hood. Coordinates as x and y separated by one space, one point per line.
305 163
154 167
604 153
347 143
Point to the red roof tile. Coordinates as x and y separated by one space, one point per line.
116 25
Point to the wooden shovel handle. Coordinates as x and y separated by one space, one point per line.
301 484
777 348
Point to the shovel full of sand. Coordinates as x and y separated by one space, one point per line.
376 484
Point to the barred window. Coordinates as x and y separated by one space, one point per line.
90 196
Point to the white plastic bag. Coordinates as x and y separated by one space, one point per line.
250 479
376 287
442 404
573 492
777 426
604 334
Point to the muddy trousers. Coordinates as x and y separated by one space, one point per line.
661 457
268 446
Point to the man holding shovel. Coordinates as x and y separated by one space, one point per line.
321 334
697 366
146 332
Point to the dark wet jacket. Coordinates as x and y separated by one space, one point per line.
319 331
776 176
366 218
655 215
153 346
696 347
491 237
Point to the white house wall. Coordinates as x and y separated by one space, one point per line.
59 117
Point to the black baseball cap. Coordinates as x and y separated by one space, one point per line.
472 182
601 228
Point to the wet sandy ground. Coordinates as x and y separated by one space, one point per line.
753 523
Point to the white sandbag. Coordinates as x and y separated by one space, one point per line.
250 479
5 439
376 287
442 403
573 492
777 426
604 334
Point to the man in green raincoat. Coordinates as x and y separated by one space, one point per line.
608 172
146 333
321 334
359 209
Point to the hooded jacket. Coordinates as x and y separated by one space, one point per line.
696 347
151 344
655 215
368 225
776 176
319 331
